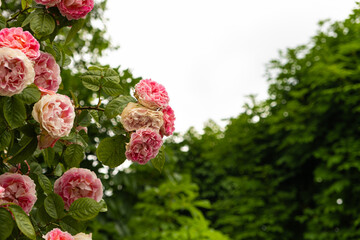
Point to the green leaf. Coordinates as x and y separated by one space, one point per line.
84 209
91 82
84 118
111 151
2 22
5 229
73 155
29 17
159 160
95 116
45 183
74 30
14 112
111 76
5 137
117 105
35 168
71 225
49 157
22 221
30 95
112 89
25 151
54 206
42 24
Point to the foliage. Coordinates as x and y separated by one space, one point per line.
288 167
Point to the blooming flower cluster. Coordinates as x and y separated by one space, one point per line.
71 9
57 234
149 120
22 63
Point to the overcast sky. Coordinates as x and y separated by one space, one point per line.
210 54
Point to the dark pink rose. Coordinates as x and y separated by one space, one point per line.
78 183
57 234
144 145
75 9
151 94
168 127
16 38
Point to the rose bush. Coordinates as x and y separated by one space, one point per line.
44 134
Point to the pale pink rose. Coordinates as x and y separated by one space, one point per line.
19 189
135 116
47 72
57 234
151 94
16 71
2 193
168 127
48 3
83 236
45 140
78 183
75 9
16 38
144 145
55 113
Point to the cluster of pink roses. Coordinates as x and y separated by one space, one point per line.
57 234
150 118
22 63
71 9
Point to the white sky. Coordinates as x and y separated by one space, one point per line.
210 54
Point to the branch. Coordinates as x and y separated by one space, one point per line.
90 108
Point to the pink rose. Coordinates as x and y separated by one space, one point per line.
78 183
55 113
16 71
75 9
19 189
169 118
135 116
151 94
83 236
144 145
48 3
16 38
57 234
47 72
